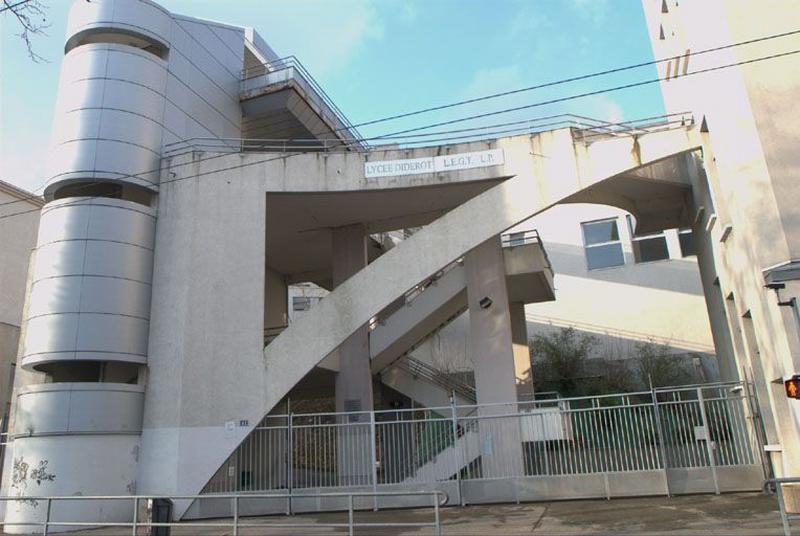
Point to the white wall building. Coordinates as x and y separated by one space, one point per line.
185 160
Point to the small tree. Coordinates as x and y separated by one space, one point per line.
562 356
655 363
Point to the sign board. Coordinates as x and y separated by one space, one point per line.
700 433
433 164
792 386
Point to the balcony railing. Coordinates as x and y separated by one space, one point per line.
283 70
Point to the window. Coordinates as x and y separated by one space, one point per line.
301 303
602 244
515 239
648 248
686 238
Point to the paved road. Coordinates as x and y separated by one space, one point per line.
746 514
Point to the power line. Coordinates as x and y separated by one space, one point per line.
572 79
512 92
586 94
488 114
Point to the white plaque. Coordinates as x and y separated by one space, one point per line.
433 164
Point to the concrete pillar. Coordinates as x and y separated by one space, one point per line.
493 355
523 372
354 379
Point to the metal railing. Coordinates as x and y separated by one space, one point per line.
414 292
584 128
235 524
693 427
775 485
435 376
292 64
522 238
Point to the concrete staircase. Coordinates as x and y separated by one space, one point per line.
571 170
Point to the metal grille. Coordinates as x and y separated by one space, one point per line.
689 427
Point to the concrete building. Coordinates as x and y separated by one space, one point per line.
744 214
185 162
18 238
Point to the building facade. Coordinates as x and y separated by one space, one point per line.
18 238
185 162
744 214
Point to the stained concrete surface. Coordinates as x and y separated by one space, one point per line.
730 514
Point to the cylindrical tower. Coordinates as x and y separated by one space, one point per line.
88 307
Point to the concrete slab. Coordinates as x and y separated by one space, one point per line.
746 514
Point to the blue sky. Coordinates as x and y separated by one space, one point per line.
381 57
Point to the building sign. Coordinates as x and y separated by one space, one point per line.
433 164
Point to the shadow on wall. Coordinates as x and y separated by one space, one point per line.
675 275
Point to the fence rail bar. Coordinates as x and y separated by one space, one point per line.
438 498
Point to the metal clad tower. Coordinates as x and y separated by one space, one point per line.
87 322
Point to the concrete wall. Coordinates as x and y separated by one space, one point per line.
660 302
751 160
17 239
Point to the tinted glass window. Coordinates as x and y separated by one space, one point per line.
650 249
599 232
686 239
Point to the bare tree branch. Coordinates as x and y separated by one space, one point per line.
32 17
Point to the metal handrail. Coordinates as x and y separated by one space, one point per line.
418 140
432 374
291 62
530 236
440 498
775 485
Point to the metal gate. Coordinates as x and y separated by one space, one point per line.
693 439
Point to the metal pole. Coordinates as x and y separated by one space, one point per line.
351 532
787 531
374 461
438 528
709 447
46 529
135 515
454 417
289 461
235 515
660 439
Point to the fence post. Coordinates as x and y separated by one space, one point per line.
437 520
374 460
457 451
709 448
351 532
660 432
46 529
135 515
757 427
289 463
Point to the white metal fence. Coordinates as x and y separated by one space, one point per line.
706 428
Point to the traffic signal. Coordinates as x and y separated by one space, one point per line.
792 386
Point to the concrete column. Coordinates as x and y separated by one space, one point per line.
354 379
522 354
493 355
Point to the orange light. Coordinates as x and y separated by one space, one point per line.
792 386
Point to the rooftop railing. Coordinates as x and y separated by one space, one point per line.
290 65
585 128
